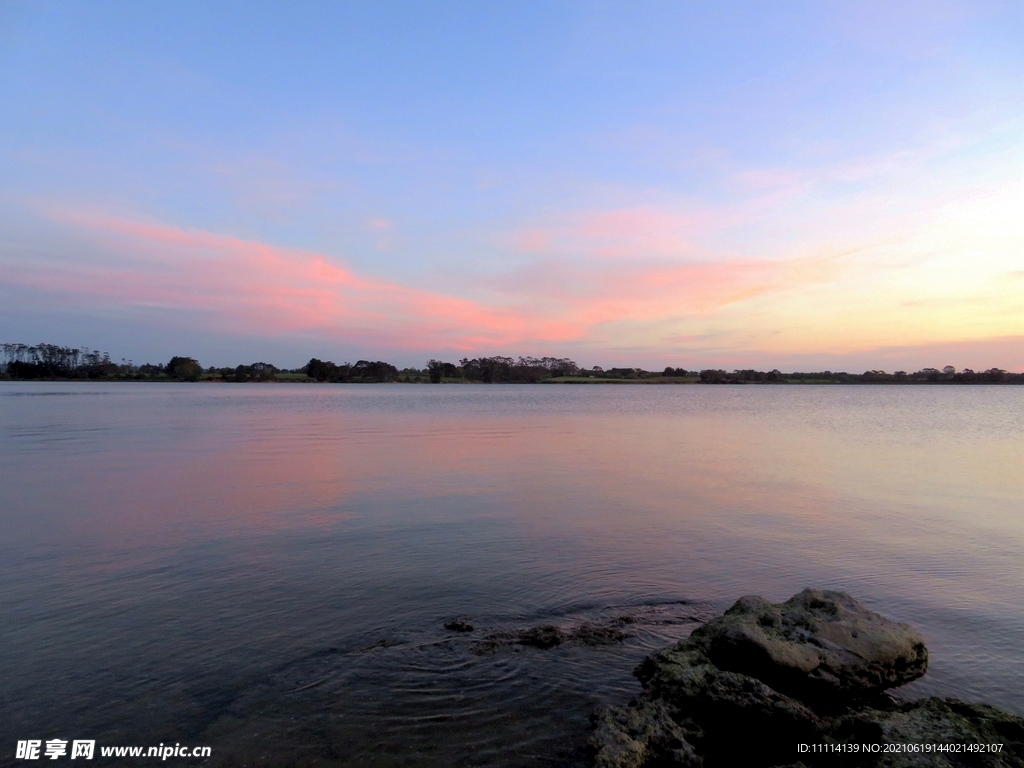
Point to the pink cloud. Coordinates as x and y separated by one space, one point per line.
640 231
252 287
700 288
595 291
557 301
671 230
532 241
273 289
230 285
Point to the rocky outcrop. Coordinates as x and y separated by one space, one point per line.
822 647
747 687
709 702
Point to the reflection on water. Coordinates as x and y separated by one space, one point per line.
267 568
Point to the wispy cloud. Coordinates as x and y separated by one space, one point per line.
246 287
250 287
596 293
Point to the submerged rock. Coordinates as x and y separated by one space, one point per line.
598 634
747 687
545 636
458 625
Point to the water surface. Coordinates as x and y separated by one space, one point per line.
267 569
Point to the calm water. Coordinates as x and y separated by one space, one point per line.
179 562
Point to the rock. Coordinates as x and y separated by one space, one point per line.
458 625
714 706
934 721
822 647
597 634
747 687
639 735
490 644
545 636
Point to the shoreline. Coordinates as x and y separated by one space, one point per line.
586 381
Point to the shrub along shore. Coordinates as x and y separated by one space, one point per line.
53 362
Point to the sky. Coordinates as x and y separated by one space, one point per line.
802 186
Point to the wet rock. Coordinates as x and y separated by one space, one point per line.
746 688
548 636
545 636
490 644
642 734
934 721
458 625
822 647
714 706
597 634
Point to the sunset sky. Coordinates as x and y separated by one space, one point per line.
773 185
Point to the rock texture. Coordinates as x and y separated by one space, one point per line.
642 735
817 646
590 633
749 686
547 636
934 721
709 702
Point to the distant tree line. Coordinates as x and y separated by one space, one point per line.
360 371
52 361
716 376
529 370
948 375
253 372
503 370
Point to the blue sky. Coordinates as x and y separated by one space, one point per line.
795 185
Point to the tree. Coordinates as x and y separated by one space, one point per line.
321 371
436 368
376 370
184 368
713 376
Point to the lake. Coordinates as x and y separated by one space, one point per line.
267 569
